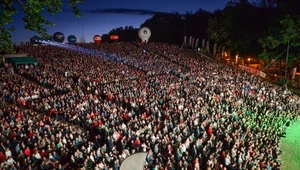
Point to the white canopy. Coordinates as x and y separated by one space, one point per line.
14 55
134 162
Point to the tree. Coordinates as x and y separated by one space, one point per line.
126 34
238 27
196 24
286 36
270 4
33 19
279 36
105 38
166 27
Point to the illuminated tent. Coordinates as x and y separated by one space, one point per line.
134 162
58 37
23 60
35 40
72 39
18 59
48 39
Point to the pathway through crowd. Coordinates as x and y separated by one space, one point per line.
290 146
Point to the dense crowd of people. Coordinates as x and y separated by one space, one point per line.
76 110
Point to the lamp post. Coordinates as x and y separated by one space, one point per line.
249 60
237 58
286 66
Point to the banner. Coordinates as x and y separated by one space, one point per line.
197 43
252 71
241 67
223 51
262 74
193 42
203 44
190 41
207 46
184 41
294 73
215 49
237 58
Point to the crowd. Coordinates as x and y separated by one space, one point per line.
16 89
139 57
87 111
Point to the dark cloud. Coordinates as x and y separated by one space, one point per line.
125 11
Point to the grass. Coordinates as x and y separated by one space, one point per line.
290 147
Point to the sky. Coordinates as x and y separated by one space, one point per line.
100 16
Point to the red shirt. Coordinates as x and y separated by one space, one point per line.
30 134
125 116
262 164
137 142
99 122
2 157
209 131
13 135
27 152
95 124
44 154
223 154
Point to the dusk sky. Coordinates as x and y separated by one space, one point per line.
100 16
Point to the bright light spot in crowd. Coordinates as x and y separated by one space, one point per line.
128 61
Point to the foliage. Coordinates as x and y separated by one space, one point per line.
166 27
241 24
6 17
238 27
196 24
277 38
33 19
126 34
105 38
1 60
267 3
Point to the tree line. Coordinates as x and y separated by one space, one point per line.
260 28
264 28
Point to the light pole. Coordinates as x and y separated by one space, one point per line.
82 35
286 66
249 59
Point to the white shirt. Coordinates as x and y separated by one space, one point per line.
183 148
153 138
10 161
98 152
71 136
64 140
37 156
92 158
8 153
101 166
227 160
